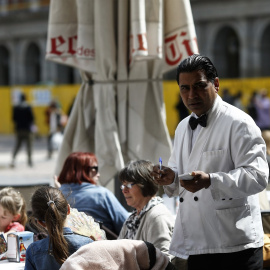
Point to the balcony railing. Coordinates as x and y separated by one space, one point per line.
7 6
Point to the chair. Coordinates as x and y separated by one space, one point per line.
266 220
110 235
266 228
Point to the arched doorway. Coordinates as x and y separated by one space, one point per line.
32 64
226 53
265 52
4 66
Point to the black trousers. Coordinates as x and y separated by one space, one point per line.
27 137
249 259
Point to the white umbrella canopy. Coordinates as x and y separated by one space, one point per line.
122 48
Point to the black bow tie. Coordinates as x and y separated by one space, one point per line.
202 120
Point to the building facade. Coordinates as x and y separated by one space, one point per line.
235 34
23 35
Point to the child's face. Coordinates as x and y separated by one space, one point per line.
5 218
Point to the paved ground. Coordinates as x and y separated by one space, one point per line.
22 177
26 179
41 172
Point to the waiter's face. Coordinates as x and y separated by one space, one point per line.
197 93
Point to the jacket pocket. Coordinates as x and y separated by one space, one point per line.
218 159
236 226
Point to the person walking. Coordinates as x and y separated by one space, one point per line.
263 110
218 224
53 115
23 118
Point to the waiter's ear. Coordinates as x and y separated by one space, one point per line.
216 84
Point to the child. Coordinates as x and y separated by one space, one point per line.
12 211
50 210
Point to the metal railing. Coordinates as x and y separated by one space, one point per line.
7 6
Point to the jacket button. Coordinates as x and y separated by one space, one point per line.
223 199
196 198
230 199
181 199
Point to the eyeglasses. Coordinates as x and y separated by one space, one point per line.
129 186
94 169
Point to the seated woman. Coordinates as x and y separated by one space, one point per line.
151 221
50 210
79 183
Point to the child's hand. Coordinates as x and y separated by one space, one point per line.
56 183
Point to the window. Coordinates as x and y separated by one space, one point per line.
226 53
32 64
265 52
65 74
4 66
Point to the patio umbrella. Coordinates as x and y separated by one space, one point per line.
122 48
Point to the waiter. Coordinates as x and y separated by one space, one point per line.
218 224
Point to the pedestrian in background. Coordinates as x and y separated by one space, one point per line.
227 97
251 107
263 110
238 100
23 118
54 121
181 109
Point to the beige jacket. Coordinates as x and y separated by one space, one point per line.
156 227
117 255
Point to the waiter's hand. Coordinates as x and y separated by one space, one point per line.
201 180
163 177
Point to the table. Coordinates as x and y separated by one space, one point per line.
6 265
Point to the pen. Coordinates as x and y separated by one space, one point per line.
160 163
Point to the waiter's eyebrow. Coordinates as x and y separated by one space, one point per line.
200 83
195 84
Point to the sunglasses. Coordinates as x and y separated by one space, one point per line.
94 169
129 186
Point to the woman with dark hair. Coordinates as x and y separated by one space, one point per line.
79 183
150 221
50 210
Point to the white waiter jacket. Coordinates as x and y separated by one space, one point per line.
225 217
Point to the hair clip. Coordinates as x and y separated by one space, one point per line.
49 202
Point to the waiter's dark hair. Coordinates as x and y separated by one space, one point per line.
197 62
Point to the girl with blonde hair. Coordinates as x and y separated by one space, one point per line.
12 211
